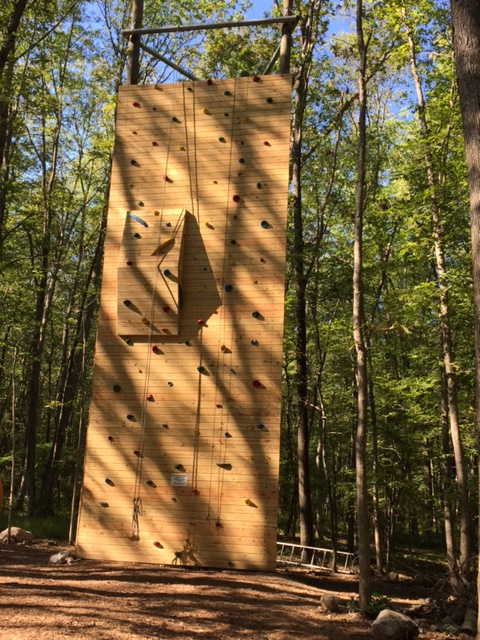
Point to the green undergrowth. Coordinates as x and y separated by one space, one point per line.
54 527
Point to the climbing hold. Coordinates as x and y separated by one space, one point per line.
166 309
254 342
157 544
111 439
169 384
241 160
181 148
134 163
189 89
130 417
227 435
249 502
256 314
224 349
230 564
104 504
167 224
269 100
242 143
128 341
240 174
146 322
228 288
227 93
150 398
133 216
150 483
110 482
166 272
154 144
256 384
138 453
210 226
209 82
165 425
218 406
167 179
260 426
262 260
135 104
233 242
219 525
117 388
206 111
140 203
205 269
226 115
179 466
174 500
175 119
256 79
266 143
134 133
214 181
187 343
196 492
200 321
156 349
232 371
127 303
259 185
221 139
129 263
137 236
201 369
156 212
264 224
224 465
154 108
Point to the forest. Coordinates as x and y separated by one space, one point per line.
379 369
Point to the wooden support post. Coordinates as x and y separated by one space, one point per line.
286 41
133 53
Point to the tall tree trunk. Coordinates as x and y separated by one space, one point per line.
466 42
358 329
301 92
7 49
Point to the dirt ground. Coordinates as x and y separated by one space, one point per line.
110 601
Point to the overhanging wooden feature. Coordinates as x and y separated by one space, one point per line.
182 451
149 275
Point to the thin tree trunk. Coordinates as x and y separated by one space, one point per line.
449 378
358 330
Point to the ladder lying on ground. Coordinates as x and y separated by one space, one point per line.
313 557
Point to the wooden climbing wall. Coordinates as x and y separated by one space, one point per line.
182 452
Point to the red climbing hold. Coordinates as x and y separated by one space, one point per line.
150 398
236 198
166 309
256 384
135 104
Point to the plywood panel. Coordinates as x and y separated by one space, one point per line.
182 451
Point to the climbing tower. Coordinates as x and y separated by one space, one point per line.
182 453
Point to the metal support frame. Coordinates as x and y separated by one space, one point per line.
134 34
214 25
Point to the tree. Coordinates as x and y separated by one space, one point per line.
466 43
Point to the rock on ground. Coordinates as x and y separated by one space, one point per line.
329 603
16 535
390 625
